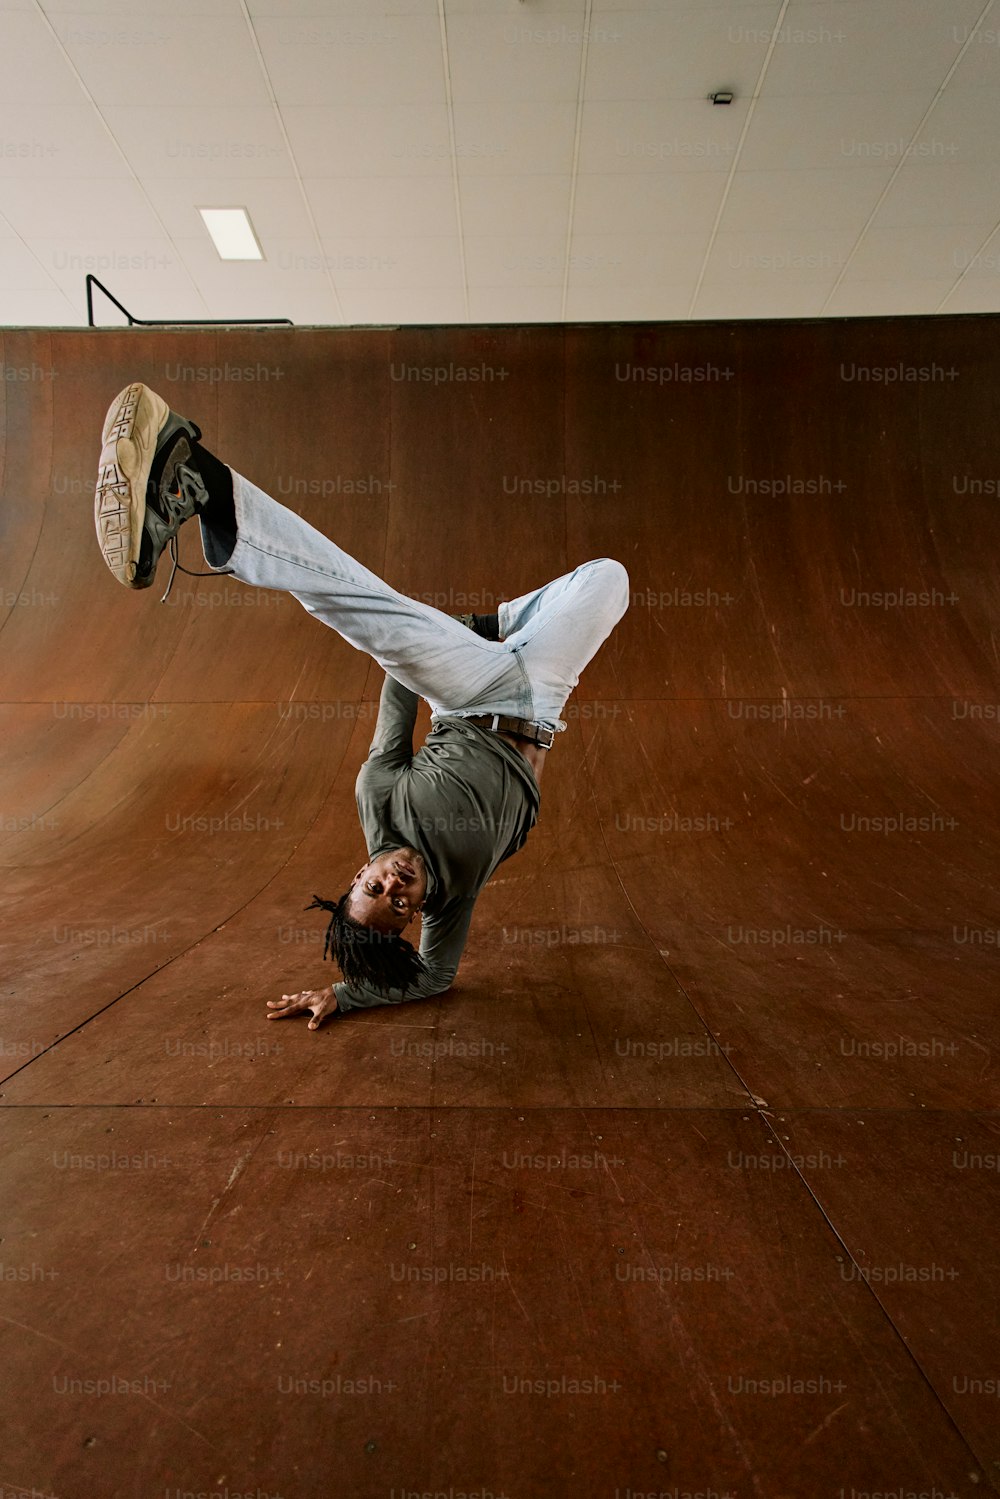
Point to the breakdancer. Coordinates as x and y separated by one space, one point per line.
436 823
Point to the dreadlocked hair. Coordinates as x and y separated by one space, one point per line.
383 960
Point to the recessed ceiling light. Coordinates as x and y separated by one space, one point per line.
232 233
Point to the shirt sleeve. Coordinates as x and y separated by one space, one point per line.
389 755
442 942
397 715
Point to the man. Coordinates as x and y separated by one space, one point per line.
436 823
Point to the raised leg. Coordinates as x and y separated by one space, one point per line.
423 648
556 630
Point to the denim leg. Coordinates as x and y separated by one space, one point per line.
456 671
549 634
558 629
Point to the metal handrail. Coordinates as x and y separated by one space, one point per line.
159 322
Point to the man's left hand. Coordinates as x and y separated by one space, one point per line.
317 1002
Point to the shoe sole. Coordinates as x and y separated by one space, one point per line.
132 426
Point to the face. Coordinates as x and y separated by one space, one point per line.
388 891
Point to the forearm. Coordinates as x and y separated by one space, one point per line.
365 997
397 715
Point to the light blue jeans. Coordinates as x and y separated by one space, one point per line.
549 635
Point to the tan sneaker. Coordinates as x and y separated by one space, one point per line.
135 511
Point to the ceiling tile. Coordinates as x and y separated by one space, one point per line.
147 275
28 307
636 259
923 193
293 282
333 269
493 139
358 12
886 48
962 129
647 204
175 56
57 141
123 12
887 298
518 205
658 55
821 199
832 130
974 296
391 206
768 299
679 136
362 141
275 205
678 8
626 304
371 262
33 69
514 55
917 253
791 256
388 59
205 142
512 260
983 263
404 305
512 304
50 207
542 13
22 266
980 64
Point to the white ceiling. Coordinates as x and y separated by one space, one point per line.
449 161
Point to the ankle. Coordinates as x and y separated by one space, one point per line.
487 625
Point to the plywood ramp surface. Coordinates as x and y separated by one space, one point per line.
689 1184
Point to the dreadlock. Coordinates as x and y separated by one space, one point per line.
384 960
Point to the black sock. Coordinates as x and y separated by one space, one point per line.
487 625
219 514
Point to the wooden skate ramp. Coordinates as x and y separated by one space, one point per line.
689 1185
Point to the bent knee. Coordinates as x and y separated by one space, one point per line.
614 578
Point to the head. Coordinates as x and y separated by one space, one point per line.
388 892
366 924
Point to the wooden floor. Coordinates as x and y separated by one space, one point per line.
690 1185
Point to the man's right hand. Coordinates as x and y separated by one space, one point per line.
317 1002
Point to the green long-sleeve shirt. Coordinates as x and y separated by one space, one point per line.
466 800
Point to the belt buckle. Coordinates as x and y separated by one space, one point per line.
545 742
